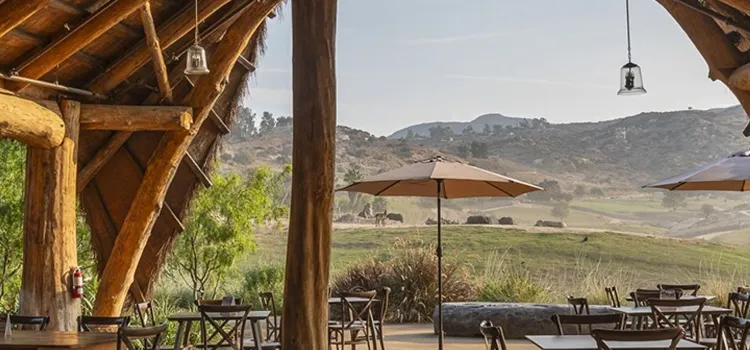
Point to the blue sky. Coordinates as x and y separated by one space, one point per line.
401 62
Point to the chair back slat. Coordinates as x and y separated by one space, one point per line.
691 289
733 333
494 339
615 321
38 323
614 298
580 305
642 296
357 313
149 337
674 335
145 313
234 337
690 320
739 303
101 324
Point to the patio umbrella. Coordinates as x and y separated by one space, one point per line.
440 178
728 174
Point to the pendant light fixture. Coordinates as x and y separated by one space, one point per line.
196 55
631 81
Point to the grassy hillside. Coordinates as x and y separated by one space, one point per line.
559 257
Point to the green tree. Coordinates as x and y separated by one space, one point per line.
11 218
409 134
552 191
267 123
580 191
597 192
463 151
354 174
380 204
220 226
487 130
245 122
479 149
497 129
708 210
284 122
441 133
674 200
561 210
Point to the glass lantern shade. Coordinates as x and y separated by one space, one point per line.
631 81
196 61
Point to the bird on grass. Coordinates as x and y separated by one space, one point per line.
585 239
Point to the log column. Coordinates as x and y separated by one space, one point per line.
305 310
49 224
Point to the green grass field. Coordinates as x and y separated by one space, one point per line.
644 260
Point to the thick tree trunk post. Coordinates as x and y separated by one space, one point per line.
49 224
305 310
118 274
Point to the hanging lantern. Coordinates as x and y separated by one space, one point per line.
196 63
631 81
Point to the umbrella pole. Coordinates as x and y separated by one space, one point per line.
439 253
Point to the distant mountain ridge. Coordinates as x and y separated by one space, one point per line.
458 127
622 153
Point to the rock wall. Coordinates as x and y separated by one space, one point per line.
517 319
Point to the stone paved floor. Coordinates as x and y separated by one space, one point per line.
420 336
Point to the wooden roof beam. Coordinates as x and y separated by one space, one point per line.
197 170
157 58
29 122
61 49
215 118
136 118
78 11
136 231
174 29
37 41
16 12
712 43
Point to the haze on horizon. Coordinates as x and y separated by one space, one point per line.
404 62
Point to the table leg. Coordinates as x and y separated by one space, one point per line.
178 336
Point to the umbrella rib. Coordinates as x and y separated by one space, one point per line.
387 187
499 189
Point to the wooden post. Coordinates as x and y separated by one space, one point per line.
157 58
118 274
49 224
305 310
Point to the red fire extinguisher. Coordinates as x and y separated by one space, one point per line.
77 283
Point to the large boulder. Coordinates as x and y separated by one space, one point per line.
346 218
517 319
431 221
478 220
546 223
506 220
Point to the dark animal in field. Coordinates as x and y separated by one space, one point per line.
585 239
478 220
395 217
555 224
380 218
506 221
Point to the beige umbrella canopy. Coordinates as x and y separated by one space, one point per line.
440 178
457 180
728 174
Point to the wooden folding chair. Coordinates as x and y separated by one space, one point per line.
674 335
614 321
733 333
273 323
494 339
149 337
234 337
642 296
356 320
102 324
580 305
691 321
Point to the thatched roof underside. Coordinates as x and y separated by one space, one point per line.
107 198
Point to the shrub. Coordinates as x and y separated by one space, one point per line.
508 282
411 273
263 278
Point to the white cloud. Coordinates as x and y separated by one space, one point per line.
582 85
